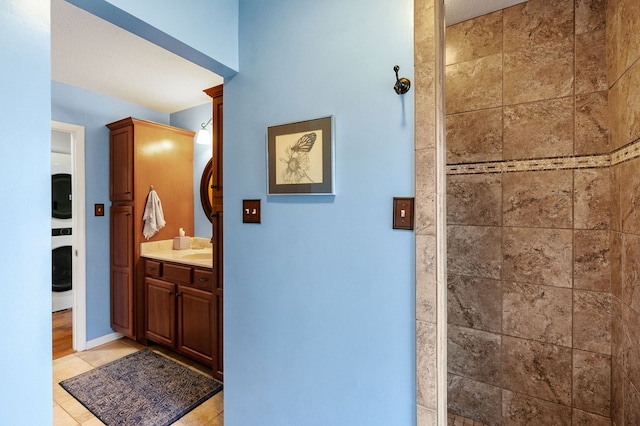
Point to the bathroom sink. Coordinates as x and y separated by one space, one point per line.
197 256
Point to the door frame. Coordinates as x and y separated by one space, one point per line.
79 312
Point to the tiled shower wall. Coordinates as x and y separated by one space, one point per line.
429 221
528 213
623 76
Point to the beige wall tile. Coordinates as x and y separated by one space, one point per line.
592 382
522 410
424 32
474 199
537 369
592 124
539 129
538 199
591 260
463 255
590 15
537 312
474 136
630 196
474 303
591 199
582 418
615 62
536 22
631 404
618 380
616 264
543 71
464 395
631 30
475 38
592 322
624 108
538 256
425 93
474 354
630 344
425 417
426 392
591 62
425 204
619 353
474 85
616 217
426 278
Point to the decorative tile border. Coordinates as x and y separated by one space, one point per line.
558 163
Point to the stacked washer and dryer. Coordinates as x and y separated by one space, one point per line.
61 222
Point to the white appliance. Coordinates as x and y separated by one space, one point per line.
61 222
61 269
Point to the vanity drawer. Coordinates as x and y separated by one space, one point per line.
177 273
203 279
153 268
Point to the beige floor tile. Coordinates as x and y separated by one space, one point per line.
93 422
76 410
107 353
69 366
206 413
62 418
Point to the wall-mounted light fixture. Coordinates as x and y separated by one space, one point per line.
204 137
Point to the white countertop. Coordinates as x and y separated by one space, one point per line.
200 253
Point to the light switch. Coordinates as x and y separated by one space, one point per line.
402 213
250 211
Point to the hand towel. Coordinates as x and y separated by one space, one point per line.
153 216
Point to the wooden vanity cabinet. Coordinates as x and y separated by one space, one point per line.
143 154
181 310
217 214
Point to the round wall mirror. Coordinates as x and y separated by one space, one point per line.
206 190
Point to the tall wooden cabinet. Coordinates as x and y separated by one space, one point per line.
142 155
216 94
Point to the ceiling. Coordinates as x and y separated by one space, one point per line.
95 55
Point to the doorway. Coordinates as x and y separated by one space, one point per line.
77 240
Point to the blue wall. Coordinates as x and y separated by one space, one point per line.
319 298
191 119
84 108
25 307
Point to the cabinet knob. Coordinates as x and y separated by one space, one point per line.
203 280
170 293
127 214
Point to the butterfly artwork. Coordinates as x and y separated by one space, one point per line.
297 162
300 157
305 143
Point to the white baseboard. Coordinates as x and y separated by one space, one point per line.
104 339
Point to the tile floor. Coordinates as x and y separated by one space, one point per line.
67 411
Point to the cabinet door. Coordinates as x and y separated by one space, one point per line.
121 164
122 275
160 311
195 323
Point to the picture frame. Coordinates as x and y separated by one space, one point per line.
300 158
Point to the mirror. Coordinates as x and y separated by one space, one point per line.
206 190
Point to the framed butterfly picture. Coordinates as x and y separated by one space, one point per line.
300 158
